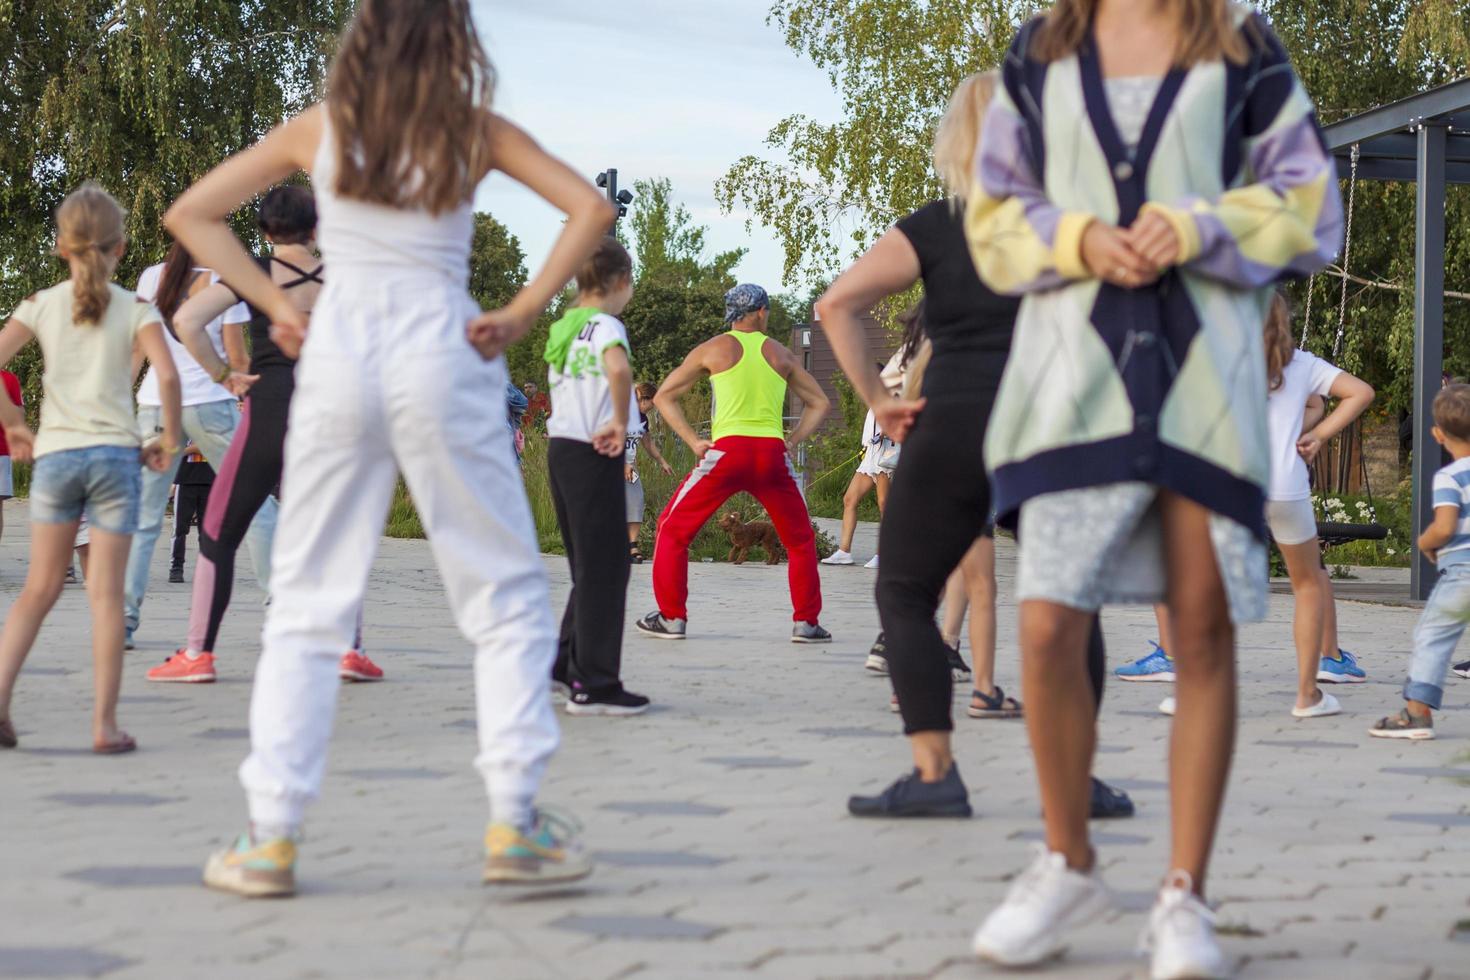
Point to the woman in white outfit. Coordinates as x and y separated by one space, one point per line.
401 371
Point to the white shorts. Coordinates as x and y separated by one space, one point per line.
869 466
1291 521
7 480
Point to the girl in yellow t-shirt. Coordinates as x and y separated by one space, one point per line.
88 447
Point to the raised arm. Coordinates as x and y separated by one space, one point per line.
889 267
1353 395
197 219
814 401
22 440
676 386
191 323
589 216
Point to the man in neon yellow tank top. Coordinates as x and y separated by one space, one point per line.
748 450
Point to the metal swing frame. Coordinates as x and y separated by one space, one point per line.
1425 140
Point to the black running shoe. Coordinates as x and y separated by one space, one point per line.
1463 670
878 657
176 576
959 671
910 796
609 701
809 633
665 629
1109 803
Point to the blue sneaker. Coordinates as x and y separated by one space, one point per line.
1343 671
1155 667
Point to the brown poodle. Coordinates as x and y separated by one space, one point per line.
746 536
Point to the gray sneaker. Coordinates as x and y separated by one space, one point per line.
656 625
1405 724
809 633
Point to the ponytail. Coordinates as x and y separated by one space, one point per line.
173 282
89 226
1279 346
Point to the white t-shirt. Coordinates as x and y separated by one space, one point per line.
198 387
87 394
581 402
1306 375
637 429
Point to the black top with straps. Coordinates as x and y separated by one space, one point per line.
264 354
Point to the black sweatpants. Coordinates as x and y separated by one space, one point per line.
587 489
189 504
938 505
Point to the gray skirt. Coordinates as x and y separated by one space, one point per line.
633 499
1104 545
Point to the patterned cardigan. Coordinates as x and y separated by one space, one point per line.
1164 384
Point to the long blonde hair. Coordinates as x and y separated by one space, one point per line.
1280 348
1207 31
958 133
89 228
408 96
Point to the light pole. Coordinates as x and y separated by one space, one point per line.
608 181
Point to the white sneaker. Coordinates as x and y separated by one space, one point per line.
1326 705
1044 902
838 557
1181 935
1167 706
561 692
872 562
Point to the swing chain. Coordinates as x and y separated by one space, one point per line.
1347 248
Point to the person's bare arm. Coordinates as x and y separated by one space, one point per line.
197 218
650 445
1316 412
191 323
1353 395
611 439
170 395
238 356
1440 531
22 440
889 267
589 216
814 401
676 386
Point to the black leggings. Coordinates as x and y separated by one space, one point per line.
937 506
249 474
188 512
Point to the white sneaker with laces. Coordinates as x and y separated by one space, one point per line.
1181 935
838 557
1326 705
872 562
1046 900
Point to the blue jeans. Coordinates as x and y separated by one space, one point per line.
1444 619
103 480
210 426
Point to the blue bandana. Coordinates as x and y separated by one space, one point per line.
744 300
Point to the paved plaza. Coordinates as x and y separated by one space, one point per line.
718 819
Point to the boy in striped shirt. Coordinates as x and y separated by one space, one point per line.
1446 542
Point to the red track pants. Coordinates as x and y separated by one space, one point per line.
760 467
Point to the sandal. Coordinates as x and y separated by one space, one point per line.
124 743
996 705
7 735
634 555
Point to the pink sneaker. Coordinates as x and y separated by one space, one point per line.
357 667
183 669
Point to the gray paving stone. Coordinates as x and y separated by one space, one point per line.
143 876
635 927
658 859
108 799
224 733
57 961
666 808
391 774
757 762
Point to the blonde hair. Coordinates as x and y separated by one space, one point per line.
958 134
89 228
1280 348
1207 31
409 96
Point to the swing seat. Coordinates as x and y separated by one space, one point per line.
1331 534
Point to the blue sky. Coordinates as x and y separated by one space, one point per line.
657 88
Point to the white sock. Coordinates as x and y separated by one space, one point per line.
517 811
262 832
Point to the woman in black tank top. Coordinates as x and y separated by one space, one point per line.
251 470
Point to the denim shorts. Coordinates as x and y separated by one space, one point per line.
102 481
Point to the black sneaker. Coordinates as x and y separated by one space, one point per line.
809 633
176 576
878 658
665 629
609 701
959 671
910 796
1109 803
1462 670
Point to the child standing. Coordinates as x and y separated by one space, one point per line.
395 154
591 390
191 493
7 477
87 451
1292 377
1446 542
